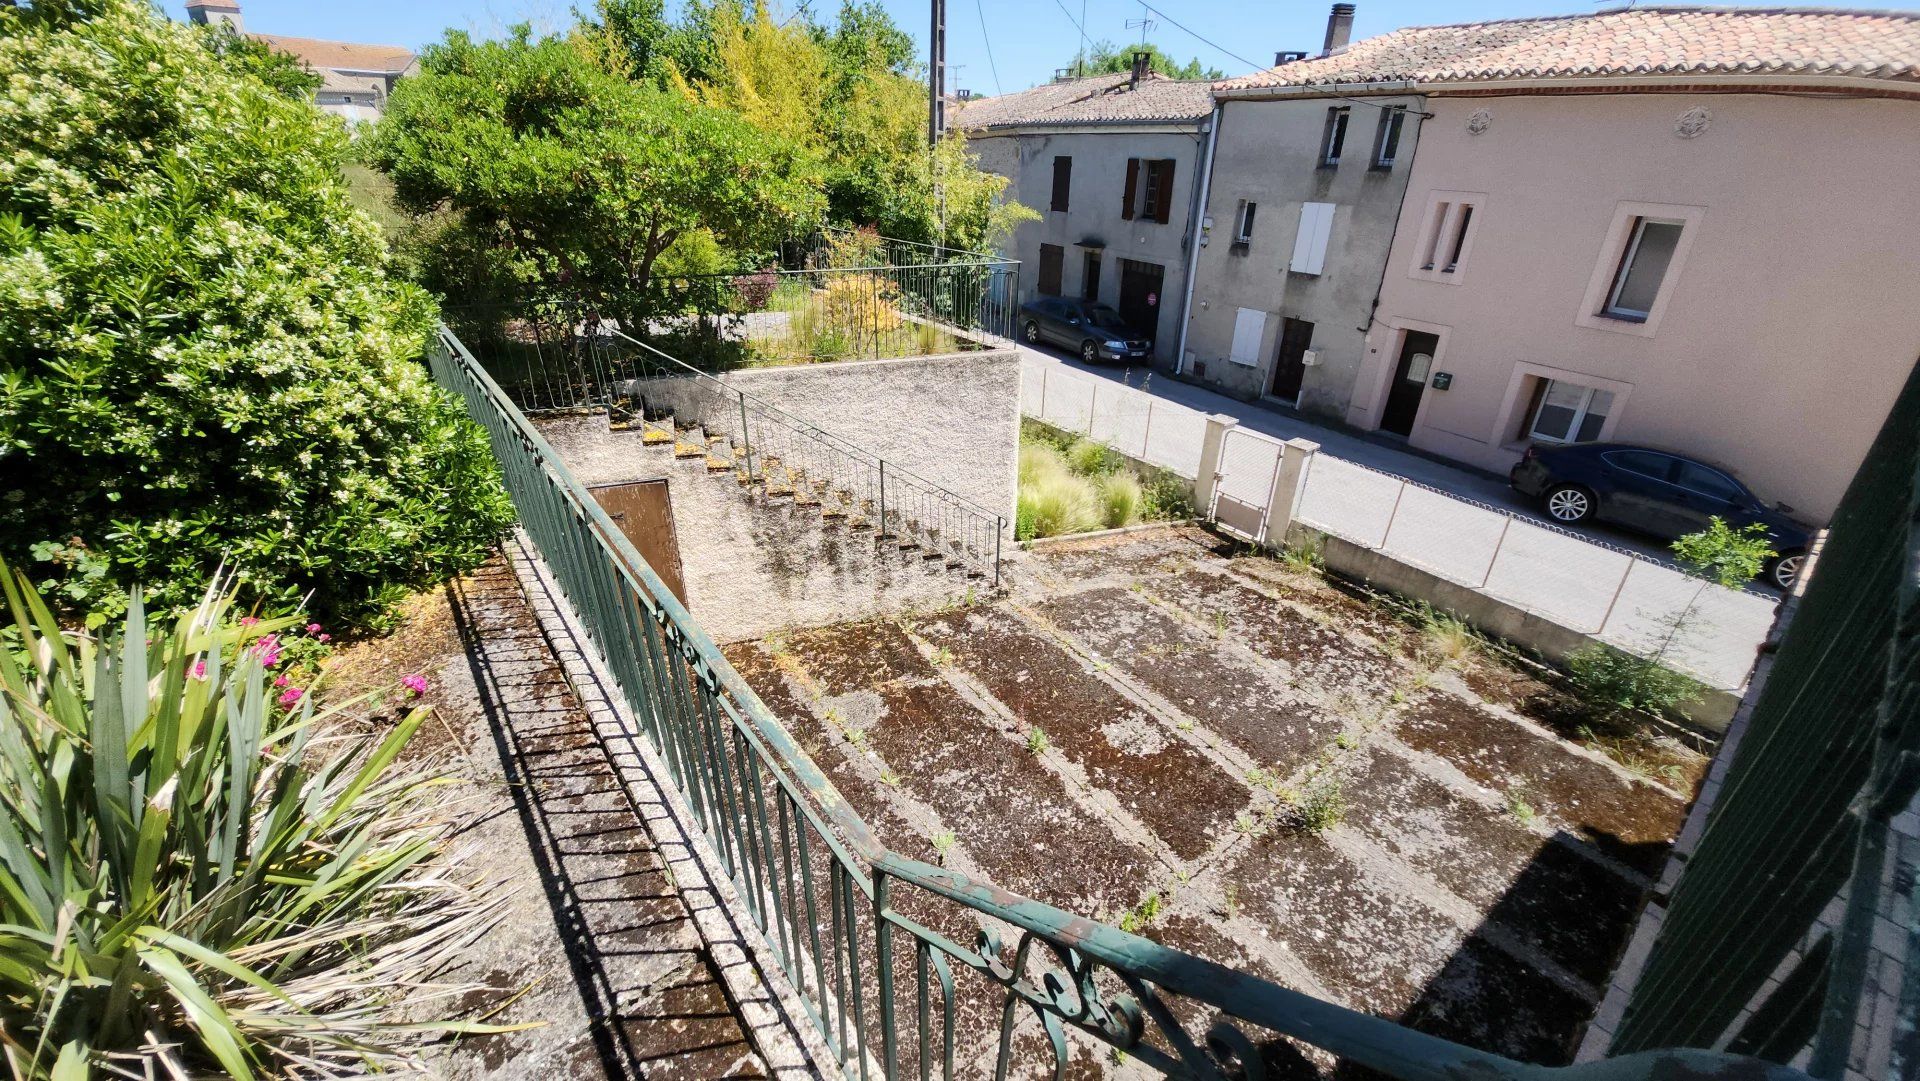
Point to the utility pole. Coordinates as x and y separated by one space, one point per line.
937 75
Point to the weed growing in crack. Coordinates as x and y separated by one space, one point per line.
1232 897
1519 808
1304 558
943 843
1037 740
942 657
889 778
1185 726
1142 915
1626 754
1346 741
1324 804
1219 624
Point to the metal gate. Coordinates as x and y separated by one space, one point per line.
1249 462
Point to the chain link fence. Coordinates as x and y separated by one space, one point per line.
1576 580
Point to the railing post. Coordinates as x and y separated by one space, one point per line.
1146 432
1043 393
1617 590
883 961
1497 545
1289 484
882 533
1206 480
1093 408
746 435
1392 515
999 530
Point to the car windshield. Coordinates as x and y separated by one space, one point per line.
1106 318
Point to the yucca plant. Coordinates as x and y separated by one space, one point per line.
195 878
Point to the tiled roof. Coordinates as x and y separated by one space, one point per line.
1640 42
1096 99
352 56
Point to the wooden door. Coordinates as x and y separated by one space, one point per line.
1289 367
1409 382
643 512
1140 296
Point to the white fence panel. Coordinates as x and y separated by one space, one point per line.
1703 628
1176 438
1348 500
1557 576
1247 463
1450 537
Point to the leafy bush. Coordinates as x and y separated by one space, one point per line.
1720 553
1120 499
1091 458
1610 681
195 887
753 291
1169 496
202 355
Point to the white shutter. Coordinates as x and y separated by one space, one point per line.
1310 242
1248 326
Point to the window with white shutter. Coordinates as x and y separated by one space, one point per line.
1310 242
1248 327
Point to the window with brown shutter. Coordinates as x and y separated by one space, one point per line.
1062 181
1126 198
1157 203
1052 258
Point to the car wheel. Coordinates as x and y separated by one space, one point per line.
1089 353
1785 569
1569 504
1033 333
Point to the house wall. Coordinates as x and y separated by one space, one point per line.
1099 182
1786 324
1268 152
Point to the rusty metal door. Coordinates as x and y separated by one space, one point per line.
644 512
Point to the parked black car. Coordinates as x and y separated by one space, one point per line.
1095 331
1654 491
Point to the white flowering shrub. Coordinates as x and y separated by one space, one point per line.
203 357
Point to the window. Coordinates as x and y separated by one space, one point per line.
1643 266
1156 202
1430 250
1710 482
1447 235
1644 462
1459 243
1062 182
1249 325
1243 227
1090 277
1052 258
1336 135
1569 413
1386 138
1310 242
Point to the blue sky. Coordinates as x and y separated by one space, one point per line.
1024 40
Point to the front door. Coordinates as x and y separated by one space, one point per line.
1289 368
643 513
1140 297
1409 381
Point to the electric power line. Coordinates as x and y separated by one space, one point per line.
978 7
1259 67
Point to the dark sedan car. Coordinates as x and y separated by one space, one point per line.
1095 331
1654 491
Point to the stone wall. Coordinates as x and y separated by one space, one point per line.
952 419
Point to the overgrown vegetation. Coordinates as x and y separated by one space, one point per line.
200 878
1071 484
203 355
1611 682
1724 555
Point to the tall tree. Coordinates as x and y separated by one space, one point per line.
1106 58
559 171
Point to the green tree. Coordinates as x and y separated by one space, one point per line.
551 169
1107 58
202 355
1723 554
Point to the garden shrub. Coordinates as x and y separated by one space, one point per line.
1056 503
1611 681
203 357
1720 553
1120 499
1091 458
199 882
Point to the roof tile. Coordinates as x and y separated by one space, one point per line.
1096 99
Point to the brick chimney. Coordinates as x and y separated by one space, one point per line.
1339 29
1142 63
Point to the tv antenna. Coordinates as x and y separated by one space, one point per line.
1143 22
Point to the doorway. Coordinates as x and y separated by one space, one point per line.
1289 366
1140 297
1409 381
643 513
1090 277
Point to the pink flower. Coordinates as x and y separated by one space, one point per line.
415 685
268 650
313 628
281 681
200 669
290 696
248 621
324 638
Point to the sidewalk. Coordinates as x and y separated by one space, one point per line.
1348 446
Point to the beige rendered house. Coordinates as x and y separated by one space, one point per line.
1697 229
355 79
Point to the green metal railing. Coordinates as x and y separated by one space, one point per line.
873 941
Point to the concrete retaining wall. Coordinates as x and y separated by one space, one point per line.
1711 713
953 419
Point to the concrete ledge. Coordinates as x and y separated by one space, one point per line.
1711 713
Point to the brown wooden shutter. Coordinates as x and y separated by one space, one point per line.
1165 209
1133 179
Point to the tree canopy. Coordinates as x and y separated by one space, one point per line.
1106 58
203 357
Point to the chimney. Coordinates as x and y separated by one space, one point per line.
215 13
1339 29
1142 63
1287 57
